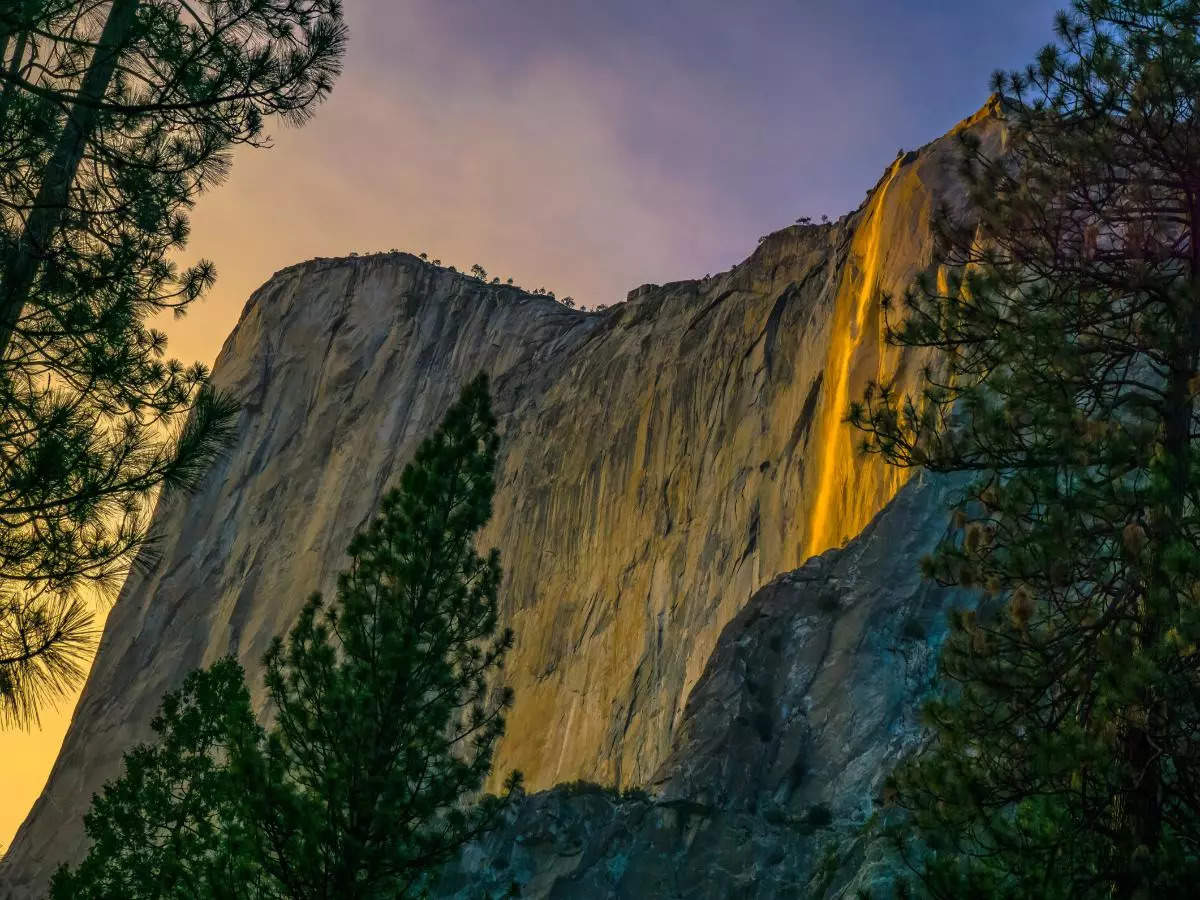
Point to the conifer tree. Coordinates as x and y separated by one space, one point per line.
386 719
1065 750
114 116
174 824
385 710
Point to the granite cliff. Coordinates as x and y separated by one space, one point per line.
809 699
663 462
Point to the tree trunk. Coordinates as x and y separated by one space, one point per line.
1143 807
20 39
13 65
26 257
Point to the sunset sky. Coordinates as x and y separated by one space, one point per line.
583 146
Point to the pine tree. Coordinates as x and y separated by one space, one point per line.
1065 750
386 719
114 116
386 715
173 825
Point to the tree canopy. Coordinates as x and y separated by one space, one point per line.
1066 311
386 712
114 117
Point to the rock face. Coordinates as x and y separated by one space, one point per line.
808 700
661 462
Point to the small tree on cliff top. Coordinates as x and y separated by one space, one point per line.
385 723
1065 756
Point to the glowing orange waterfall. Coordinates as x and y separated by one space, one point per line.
833 515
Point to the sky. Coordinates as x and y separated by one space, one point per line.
585 147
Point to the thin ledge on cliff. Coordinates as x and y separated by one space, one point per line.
661 461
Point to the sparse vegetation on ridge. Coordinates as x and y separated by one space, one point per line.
480 274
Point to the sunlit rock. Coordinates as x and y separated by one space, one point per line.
661 462
808 700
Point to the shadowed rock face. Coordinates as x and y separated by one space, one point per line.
807 702
661 462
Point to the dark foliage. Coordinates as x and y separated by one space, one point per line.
1065 757
114 116
386 718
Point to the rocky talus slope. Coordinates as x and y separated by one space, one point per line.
662 461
